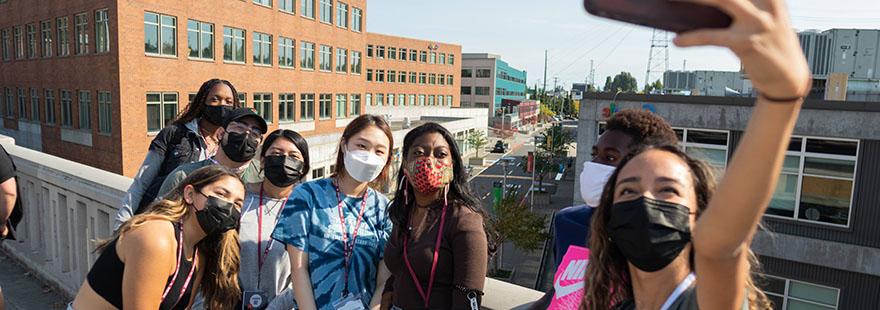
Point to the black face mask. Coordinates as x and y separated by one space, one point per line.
218 216
650 233
282 171
216 114
240 147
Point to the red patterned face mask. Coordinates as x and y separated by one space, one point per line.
427 174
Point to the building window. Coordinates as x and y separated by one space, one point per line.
465 90
318 173
412 100
369 100
22 104
104 112
50 107
355 109
307 56
441 79
791 294
285 52
18 42
102 31
35 105
233 44
81 31
45 39
451 59
264 2
392 53
341 60
380 51
242 98
423 56
325 106
707 145
482 91
160 34
448 101
66 109
307 8
380 75
402 77
401 99
286 107
355 62
442 58
356 19
370 49
380 99
423 78
263 105
421 100
326 11
85 107
341 105
484 73
816 184
433 58
412 77
432 79
286 6
341 14
392 76
4 41
262 49
161 110
32 41
306 107
402 54
449 80
63 36
413 55
369 75
325 64
200 38
467 73
431 100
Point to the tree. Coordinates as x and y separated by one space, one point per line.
656 86
513 221
623 82
477 139
608 84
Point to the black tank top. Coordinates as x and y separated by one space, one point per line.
105 278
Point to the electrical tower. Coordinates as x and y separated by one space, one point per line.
658 58
591 79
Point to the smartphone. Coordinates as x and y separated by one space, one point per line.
661 14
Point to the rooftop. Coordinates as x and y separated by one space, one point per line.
811 104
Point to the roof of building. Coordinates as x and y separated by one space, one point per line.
812 104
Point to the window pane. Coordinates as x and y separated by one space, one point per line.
153 118
799 305
825 200
829 167
715 157
170 113
785 196
773 285
680 134
776 301
832 147
707 137
813 293
795 144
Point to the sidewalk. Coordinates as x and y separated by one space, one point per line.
24 292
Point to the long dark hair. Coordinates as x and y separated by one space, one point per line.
357 125
297 140
459 191
609 279
196 107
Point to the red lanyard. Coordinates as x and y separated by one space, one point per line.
177 269
348 249
426 295
261 255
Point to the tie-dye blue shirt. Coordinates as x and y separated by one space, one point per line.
310 222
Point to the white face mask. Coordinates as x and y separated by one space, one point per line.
593 180
363 166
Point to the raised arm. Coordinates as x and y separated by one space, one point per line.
761 36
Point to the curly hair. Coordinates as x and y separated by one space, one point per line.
644 127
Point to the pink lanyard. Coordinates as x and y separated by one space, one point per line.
261 255
426 295
348 250
177 269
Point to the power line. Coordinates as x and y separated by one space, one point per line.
600 44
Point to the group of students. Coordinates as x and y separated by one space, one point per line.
204 225
218 217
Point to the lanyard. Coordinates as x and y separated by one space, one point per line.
685 284
177 269
262 255
348 249
426 295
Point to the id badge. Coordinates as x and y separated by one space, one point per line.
254 300
349 302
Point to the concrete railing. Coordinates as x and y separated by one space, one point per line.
68 206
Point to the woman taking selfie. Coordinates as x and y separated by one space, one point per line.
438 252
265 266
335 229
663 237
184 244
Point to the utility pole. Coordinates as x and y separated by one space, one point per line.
544 90
555 81
591 80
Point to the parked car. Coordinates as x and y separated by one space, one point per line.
500 147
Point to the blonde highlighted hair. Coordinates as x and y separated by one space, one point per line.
219 282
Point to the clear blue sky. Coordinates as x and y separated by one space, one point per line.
521 30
